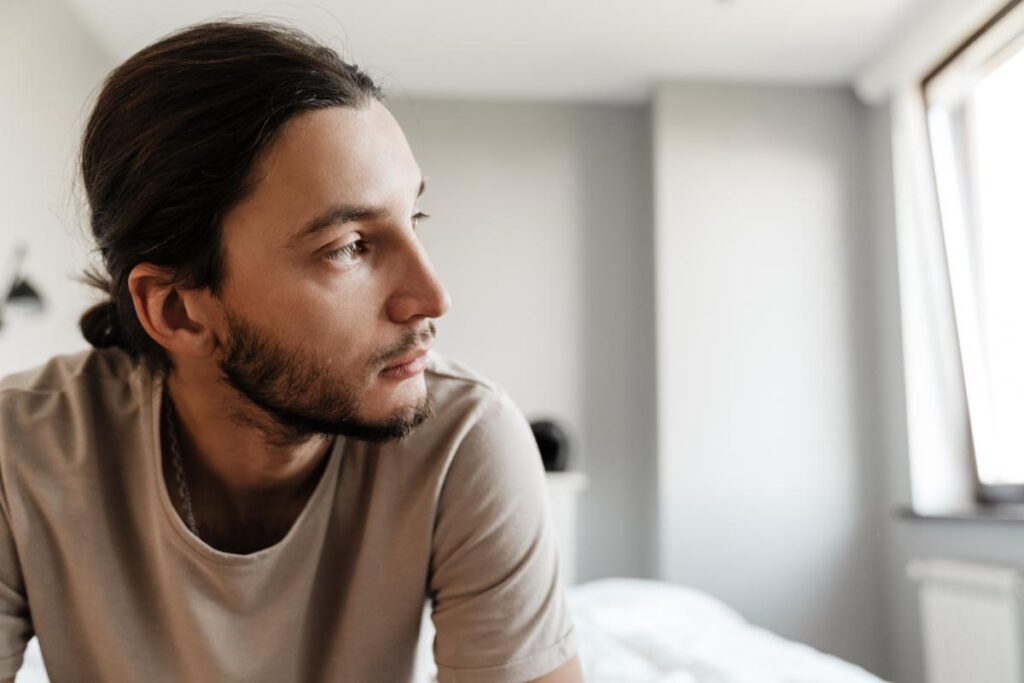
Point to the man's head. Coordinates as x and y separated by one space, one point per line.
256 208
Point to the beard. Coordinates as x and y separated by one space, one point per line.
292 397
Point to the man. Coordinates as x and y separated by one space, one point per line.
262 470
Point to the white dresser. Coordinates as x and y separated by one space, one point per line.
564 489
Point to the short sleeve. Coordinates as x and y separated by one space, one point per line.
499 609
15 621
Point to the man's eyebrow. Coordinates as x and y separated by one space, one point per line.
345 213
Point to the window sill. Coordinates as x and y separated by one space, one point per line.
1011 513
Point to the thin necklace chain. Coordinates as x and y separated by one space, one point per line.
179 466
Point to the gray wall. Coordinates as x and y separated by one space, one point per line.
769 477
541 230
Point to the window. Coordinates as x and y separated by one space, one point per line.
975 115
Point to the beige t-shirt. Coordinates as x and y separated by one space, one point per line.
96 561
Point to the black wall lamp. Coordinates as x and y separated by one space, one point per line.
21 295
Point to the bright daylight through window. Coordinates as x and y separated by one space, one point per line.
976 126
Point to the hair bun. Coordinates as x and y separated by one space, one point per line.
100 325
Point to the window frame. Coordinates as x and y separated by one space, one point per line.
991 45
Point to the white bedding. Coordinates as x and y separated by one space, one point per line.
639 630
633 630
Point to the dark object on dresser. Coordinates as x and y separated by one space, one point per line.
553 444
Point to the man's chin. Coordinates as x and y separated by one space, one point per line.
389 422
392 409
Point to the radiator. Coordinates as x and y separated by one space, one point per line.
971 620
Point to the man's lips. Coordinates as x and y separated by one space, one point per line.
411 356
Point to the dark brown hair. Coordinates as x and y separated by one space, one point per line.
171 146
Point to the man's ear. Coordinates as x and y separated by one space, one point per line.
177 319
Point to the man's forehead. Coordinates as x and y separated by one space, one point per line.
358 146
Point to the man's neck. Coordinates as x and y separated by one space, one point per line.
233 473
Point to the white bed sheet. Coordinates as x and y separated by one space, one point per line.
640 630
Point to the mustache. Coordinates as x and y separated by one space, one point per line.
410 342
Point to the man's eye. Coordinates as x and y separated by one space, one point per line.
358 247
417 217
347 251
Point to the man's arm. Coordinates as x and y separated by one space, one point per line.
570 672
499 610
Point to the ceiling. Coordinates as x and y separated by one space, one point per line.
553 49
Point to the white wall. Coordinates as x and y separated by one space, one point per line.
541 230
769 482
48 69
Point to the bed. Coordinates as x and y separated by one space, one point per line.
641 630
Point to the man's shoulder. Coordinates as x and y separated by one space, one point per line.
66 389
64 371
458 389
476 414
475 423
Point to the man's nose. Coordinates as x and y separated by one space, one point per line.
420 291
